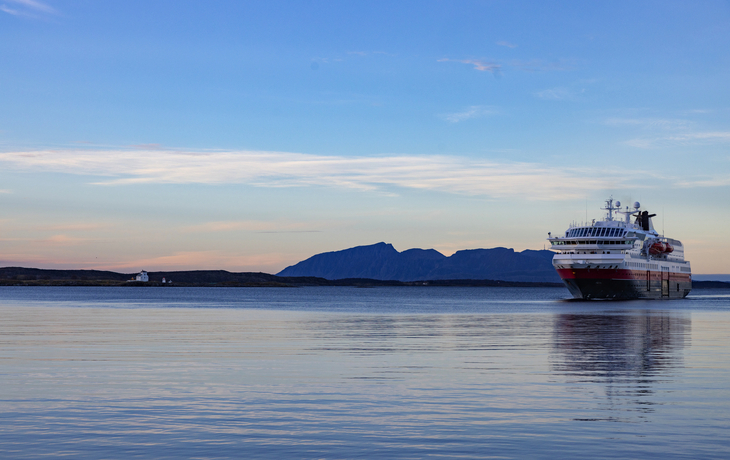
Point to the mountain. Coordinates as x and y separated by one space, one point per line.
382 261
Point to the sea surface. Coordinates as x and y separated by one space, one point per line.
344 372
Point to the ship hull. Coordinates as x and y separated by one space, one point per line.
625 284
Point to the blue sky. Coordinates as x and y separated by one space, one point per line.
251 135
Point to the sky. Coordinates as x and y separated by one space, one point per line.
247 136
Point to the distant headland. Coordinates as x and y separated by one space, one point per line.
362 266
19 276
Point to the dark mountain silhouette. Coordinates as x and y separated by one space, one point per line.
382 261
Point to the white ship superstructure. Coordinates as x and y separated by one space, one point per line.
617 258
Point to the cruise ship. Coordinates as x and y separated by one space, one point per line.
621 257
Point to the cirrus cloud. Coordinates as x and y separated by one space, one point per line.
507 44
473 111
448 174
27 8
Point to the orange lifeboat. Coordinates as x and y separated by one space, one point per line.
668 248
657 248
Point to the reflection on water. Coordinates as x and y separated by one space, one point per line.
435 333
627 352
640 345
392 373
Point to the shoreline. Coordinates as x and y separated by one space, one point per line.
363 283
20 276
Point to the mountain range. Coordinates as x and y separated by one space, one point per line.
382 261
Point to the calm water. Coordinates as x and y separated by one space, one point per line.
347 373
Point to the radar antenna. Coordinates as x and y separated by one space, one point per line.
627 213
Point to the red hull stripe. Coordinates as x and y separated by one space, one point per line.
619 274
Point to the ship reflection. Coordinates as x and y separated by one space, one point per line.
629 353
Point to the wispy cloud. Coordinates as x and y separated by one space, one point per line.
496 68
650 123
78 227
474 111
507 44
665 132
254 226
27 8
148 146
683 139
555 94
479 64
448 174
716 181
63 240
5 191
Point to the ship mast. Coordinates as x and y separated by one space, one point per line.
610 208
